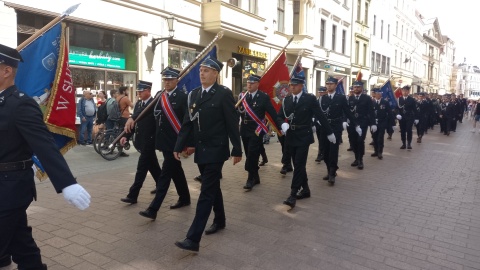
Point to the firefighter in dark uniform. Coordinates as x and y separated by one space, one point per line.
23 134
322 91
423 109
144 139
252 128
447 114
169 110
336 109
213 120
299 108
384 119
407 116
361 107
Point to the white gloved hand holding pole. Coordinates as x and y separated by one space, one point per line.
77 195
373 128
399 117
285 127
332 138
345 125
358 129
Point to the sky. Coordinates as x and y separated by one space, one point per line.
458 20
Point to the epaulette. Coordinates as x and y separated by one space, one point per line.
19 94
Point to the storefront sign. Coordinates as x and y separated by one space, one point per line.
246 51
96 58
339 69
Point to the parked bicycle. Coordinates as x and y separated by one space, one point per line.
103 140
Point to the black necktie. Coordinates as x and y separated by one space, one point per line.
204 92
249 97
295 100
357 97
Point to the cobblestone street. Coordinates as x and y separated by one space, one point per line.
417 209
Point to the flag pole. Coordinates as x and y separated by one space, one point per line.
269 66
299 58
47 27
182 74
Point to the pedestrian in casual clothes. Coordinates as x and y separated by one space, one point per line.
86 111
124 104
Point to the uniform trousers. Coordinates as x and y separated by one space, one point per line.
147 162
16 239
406 126
330 155
421 127
171 169
320 137
252 146
210 196
357 142
286 155
379 137
299 179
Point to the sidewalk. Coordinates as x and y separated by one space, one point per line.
414 209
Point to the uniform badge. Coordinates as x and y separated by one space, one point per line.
174 94
194 104
356 115
21 94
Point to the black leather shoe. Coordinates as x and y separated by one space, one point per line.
214 228
123 154
403 146
331 179
149 213
350 149
409 146
354 164
188 244
291 201
389 137
283 171
374 154
264 161
198 178
249 184
380 156
371 143
326 177
153 191
303 194
319 158
360 164
128 200
179 204
5 261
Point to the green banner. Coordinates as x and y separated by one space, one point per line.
96 58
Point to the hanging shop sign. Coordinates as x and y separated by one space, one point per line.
96 58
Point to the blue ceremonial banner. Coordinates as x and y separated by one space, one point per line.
387 94
299 71
340 89
192 79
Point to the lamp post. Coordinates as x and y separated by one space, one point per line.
171 32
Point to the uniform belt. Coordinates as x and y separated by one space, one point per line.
294 127
16 166
334 120
246 121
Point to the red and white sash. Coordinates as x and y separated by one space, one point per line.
169 113
251 113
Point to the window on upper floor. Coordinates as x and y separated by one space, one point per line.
372 63
322 32
396 28
374 24
359 11
388 33
344 41
235 2
357 52
345 3
381 29
334 37
366 14
296 17
253 6
365 54
280 15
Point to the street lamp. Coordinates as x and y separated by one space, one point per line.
171 31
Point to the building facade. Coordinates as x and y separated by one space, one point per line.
360 55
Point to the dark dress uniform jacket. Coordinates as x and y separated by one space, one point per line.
448 110
383 113
166 135
144 128
337 111
407 107
22 133
217 122
260 104
362 110
307 107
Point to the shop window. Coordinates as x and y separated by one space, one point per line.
180 57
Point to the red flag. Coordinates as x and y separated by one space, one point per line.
398 92
275 84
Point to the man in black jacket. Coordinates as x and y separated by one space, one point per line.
213 120
23 134
407 116
253 126
361 107
423 108
384 119
299 108
144 139
170 108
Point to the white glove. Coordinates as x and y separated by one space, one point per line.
332 138
314 129
77 195
394 127
345 125
373 128
399 117
358 129
285 127
416 121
